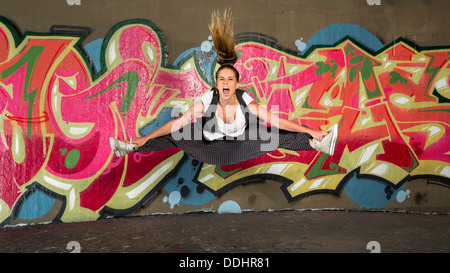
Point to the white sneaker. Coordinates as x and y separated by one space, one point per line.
328 143
121 148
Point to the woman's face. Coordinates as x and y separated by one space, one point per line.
226 83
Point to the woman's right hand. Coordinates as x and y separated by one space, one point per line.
139 141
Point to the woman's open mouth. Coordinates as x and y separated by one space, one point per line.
226 91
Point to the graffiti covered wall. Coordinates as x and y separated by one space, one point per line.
61 102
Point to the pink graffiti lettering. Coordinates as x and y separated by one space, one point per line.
57 116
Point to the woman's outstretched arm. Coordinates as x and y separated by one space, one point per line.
282 123
173 125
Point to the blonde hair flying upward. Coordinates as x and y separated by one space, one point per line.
223 37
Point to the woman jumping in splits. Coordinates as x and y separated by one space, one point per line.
230 130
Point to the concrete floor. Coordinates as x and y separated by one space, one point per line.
251 232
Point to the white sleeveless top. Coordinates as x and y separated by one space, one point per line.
234 129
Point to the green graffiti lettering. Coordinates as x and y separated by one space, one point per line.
30 59
132 80
72 158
